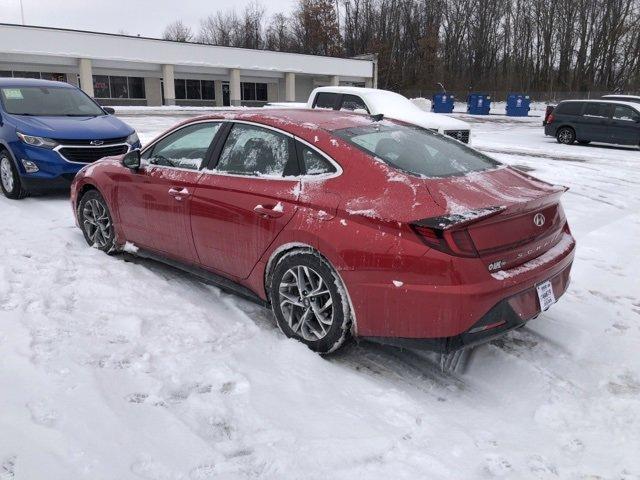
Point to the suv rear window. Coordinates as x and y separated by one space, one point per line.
325 100
569 108
417 151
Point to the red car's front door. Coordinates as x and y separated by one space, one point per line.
154 205
238 209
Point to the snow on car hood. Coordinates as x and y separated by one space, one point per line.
76 128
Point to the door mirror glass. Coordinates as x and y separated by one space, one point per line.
109 110
131 160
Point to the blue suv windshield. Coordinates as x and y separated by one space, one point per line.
48 101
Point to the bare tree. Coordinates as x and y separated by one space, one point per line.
178 31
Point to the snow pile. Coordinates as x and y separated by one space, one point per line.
422 103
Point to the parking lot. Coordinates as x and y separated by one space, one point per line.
134 370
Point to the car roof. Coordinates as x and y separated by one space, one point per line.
297 121
605 100
346 89
613 96
31 82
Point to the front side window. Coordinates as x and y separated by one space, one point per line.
48 101
625 114
325 100
185 148
251 150
596 110
417 151
353 103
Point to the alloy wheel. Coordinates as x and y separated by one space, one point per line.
6 174
565 136
306 302
96 222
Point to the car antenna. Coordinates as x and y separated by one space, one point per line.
377 117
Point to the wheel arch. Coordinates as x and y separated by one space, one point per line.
291 247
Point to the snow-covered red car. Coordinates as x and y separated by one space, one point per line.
342 223
390 105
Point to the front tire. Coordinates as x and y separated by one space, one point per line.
10 182
96 223
309 301
566 135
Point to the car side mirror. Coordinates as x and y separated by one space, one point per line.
109 110
131 159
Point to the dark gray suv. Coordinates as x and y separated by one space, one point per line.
588 121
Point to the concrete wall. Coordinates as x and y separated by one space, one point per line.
153 91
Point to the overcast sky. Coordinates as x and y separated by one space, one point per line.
145 17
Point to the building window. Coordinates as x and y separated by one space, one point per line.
254 91
194 89
101 86
58 77
136 87
208 90
105 86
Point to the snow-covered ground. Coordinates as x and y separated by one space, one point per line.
118 370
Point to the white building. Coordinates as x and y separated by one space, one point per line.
127 70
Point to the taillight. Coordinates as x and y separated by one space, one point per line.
550 118
456 242
448 233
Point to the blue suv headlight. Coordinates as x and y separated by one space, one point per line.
37 141
133 139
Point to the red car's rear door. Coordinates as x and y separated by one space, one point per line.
154 205
240 207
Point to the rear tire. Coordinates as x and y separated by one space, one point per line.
566 135
96 223
10 182
309 301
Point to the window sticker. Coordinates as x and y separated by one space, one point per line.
12 93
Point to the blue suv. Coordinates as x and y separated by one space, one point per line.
49 131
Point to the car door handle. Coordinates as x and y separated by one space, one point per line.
273 212
178 193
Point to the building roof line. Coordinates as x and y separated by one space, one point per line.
138 37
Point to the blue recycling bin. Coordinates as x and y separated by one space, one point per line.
518 105
442 103
478 104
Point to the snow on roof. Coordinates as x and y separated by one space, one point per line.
605 100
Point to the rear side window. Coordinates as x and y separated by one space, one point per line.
596 110
569 108
325 100
626 114
353 103
417 151
252 150
313 163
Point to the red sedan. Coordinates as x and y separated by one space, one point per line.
343 224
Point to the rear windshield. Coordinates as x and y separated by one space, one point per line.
48 101
417 151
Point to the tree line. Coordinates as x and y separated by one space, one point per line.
490 45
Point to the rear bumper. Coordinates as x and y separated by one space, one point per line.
550 129
508 314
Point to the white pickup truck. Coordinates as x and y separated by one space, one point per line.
391 105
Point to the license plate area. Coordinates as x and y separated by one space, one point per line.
546 297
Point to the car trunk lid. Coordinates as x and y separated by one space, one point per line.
526 217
